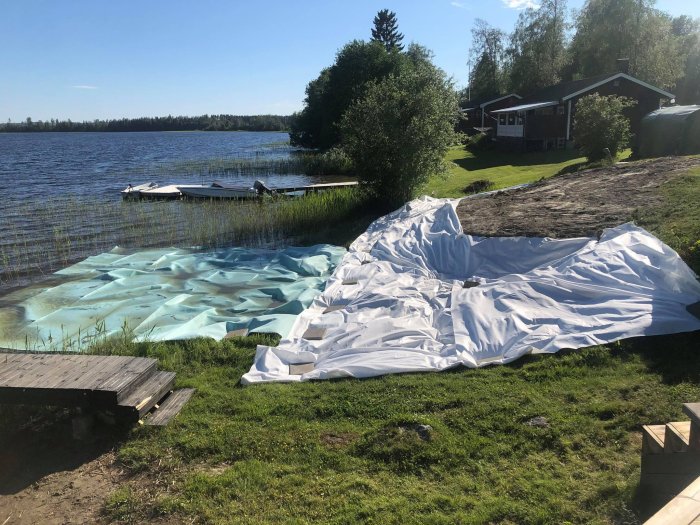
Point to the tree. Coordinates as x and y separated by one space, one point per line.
329 95
600 124
610 29
487 54
386 30
537 50
687 31
398 132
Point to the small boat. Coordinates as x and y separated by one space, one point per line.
134 192
219 190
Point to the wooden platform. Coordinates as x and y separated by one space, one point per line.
128 387
171 191
670 469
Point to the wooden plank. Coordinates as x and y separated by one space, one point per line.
300 369
147 395
681 510
685 463
676 437
60 378
693 411
653 439
171 407
314 333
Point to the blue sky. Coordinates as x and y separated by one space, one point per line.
87 59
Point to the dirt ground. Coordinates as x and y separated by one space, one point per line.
48 477
574 204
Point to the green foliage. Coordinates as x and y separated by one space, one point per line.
537 51
610 29
600 124
397 134
332 162
329 95
386 30
487 55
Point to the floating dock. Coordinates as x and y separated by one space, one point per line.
130 388
151 191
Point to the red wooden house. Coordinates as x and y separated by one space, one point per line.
545 119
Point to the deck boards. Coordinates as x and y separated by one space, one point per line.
127 387
43 378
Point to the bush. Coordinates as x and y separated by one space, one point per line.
332 162
600 124
398 133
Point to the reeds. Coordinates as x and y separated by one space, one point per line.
43 237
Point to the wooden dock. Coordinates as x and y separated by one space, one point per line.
129 388
171 191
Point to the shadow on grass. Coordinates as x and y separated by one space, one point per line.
676 358
494 158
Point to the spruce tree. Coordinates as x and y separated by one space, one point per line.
386 30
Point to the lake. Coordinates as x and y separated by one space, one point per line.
61 197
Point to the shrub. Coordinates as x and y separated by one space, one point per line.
600 124
332 162
398 133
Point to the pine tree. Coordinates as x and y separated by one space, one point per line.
386 30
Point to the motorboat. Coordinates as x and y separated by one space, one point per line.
218 190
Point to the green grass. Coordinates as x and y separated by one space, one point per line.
333 451
343 451
503 169
678 221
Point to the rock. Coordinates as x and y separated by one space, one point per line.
538 421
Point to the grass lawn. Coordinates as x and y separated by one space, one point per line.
343 451
503 169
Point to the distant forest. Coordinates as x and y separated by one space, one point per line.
169 123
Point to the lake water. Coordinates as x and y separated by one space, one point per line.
43 165
61 198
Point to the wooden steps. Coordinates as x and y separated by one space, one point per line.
670 464
127 387
147 395
170 407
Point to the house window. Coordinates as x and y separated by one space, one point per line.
616 83
502 119
511 119
520 119
560 109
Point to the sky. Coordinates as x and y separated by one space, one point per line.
101 59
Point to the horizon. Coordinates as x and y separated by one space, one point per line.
87 61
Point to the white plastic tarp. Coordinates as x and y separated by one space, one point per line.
167 293
397 301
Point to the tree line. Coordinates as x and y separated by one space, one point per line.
169 123
550 44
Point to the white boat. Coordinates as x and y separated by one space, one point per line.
218 190
133 192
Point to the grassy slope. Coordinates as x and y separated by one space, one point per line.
331 451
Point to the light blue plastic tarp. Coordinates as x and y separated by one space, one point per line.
167 294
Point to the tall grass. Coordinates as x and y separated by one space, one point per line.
46 236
